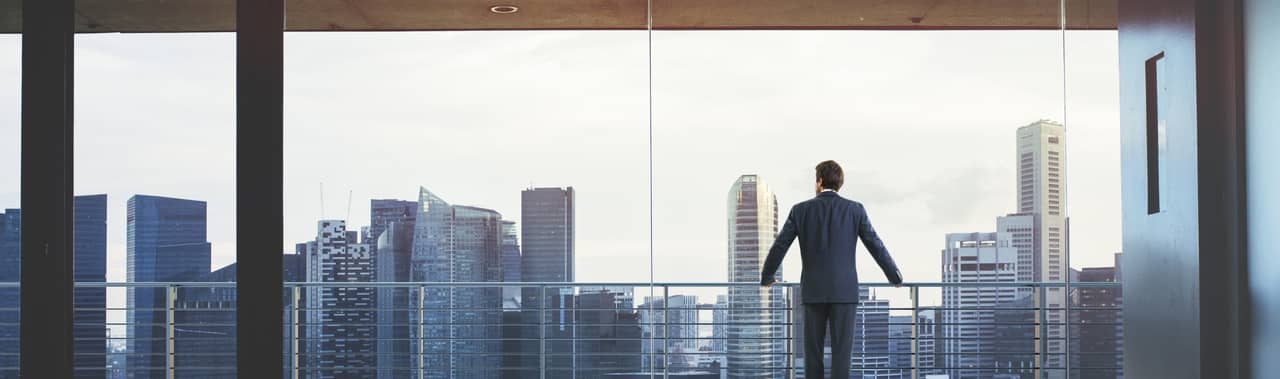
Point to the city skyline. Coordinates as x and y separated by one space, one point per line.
908 183
1014 77
185 221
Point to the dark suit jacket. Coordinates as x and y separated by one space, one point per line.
829 227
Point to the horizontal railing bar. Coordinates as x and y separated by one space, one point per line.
411 285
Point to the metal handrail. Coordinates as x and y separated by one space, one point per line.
664 346
584 284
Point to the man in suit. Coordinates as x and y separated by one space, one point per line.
829 227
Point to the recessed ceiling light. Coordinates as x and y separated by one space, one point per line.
504 9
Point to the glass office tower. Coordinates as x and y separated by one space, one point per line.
167 242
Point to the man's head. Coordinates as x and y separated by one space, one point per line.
829 176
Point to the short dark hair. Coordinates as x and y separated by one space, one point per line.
831 174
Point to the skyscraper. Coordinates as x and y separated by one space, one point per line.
453 243
927 352
547 233
610 337
205 317
204 327
871 348
720 321
1042 191
90 264
90 303
384 212
339 321
670 328
1099 326
394 264
969 323
510 260
10 268
390 239
756 335
900 343
166 241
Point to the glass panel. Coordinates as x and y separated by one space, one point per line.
930 127
467 162
155 164
1092 106
10 199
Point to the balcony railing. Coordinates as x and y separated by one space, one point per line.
612 330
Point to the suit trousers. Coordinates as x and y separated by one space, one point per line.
838 319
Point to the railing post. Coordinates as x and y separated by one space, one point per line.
666 327
422 330
295 294
170 297
788 327
1042 331
1066 328
542 333
915 332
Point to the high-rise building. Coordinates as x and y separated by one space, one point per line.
969 323
609 336
1020 232
384 212
394 264
510 261
390 239
719 322
454 243
1042 191
900 343
205 317
10 268
512 328
167 241
90 303
927 352
1013 346
294 267
204 327
670 331
871 348
1097 321
756 336
547 230
339 321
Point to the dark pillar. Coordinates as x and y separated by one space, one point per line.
49 27
259 186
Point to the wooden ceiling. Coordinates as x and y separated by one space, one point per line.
171 16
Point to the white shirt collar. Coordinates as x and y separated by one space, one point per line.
828 190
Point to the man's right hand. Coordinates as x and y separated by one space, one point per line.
767 282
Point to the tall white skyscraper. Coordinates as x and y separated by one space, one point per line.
756 345
1042 193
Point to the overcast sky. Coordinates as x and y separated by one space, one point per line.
923 122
